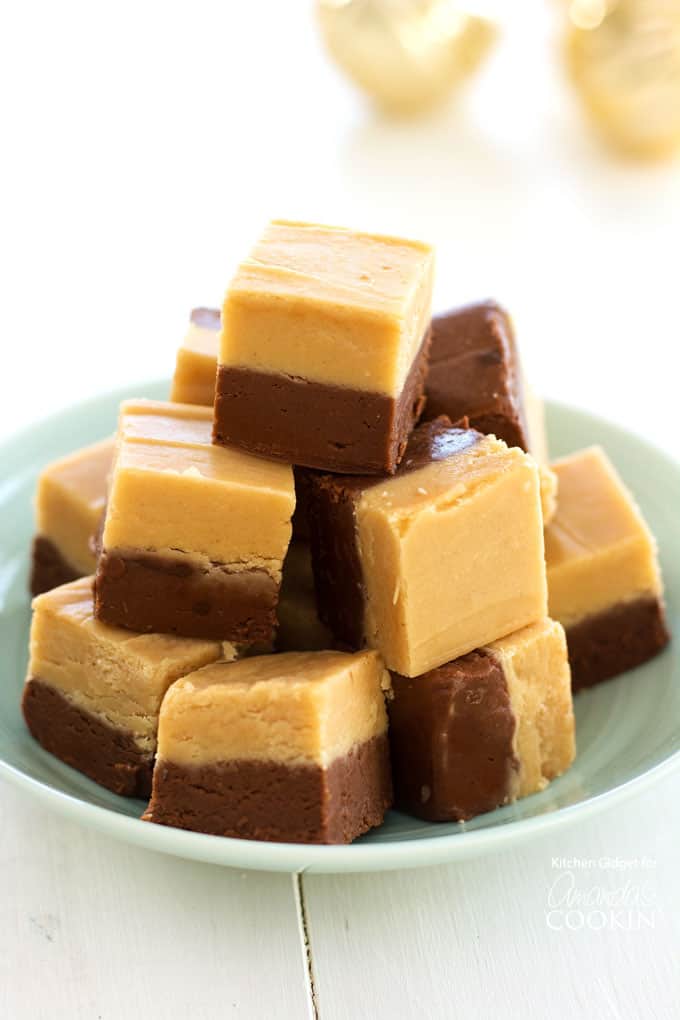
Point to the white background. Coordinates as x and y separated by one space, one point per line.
142 148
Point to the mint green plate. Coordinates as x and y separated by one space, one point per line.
628 730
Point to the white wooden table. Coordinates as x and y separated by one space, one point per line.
146 145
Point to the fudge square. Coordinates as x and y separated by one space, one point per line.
289 747
196 366
194 535
479 732
93 692
444 557
475 372
604 581
325 337
69 504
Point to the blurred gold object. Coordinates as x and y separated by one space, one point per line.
624 58
407 54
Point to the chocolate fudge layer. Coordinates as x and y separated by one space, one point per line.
604 580
300 629
194 535
93 692
286 747
437 561
196 367
324 348
69 503
475 372
479 732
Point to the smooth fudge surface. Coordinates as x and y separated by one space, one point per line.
196 366
195 534
604 580
325 338
69 503
475 372
437 561
289 747
482 731
93 692
300 629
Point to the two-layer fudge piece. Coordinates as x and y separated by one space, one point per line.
196 366
195 534
300 629
324 352
289 747
437 561
476 373
482 731
69 503
604 580
93 692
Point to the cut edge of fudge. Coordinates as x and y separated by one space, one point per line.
286 748
186 546
604 579
475 371
350 515
335 428
196 364
350 403
93 692
70 497
484 730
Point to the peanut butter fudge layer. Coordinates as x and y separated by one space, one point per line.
196 368
484 730
93 692
194 535
604 580
69 503
325 347
300 629
289 747
437 561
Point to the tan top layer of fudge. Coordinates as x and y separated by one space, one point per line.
113 674
70 500
536 668
194 379
329 305
173 491
599 551
295 708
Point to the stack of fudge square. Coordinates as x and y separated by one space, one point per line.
334 572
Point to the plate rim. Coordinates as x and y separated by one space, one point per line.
258 855
424 851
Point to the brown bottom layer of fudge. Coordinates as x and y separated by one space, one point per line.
152 593
478 747
608 643
277 802
81 740
315 424
49 569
